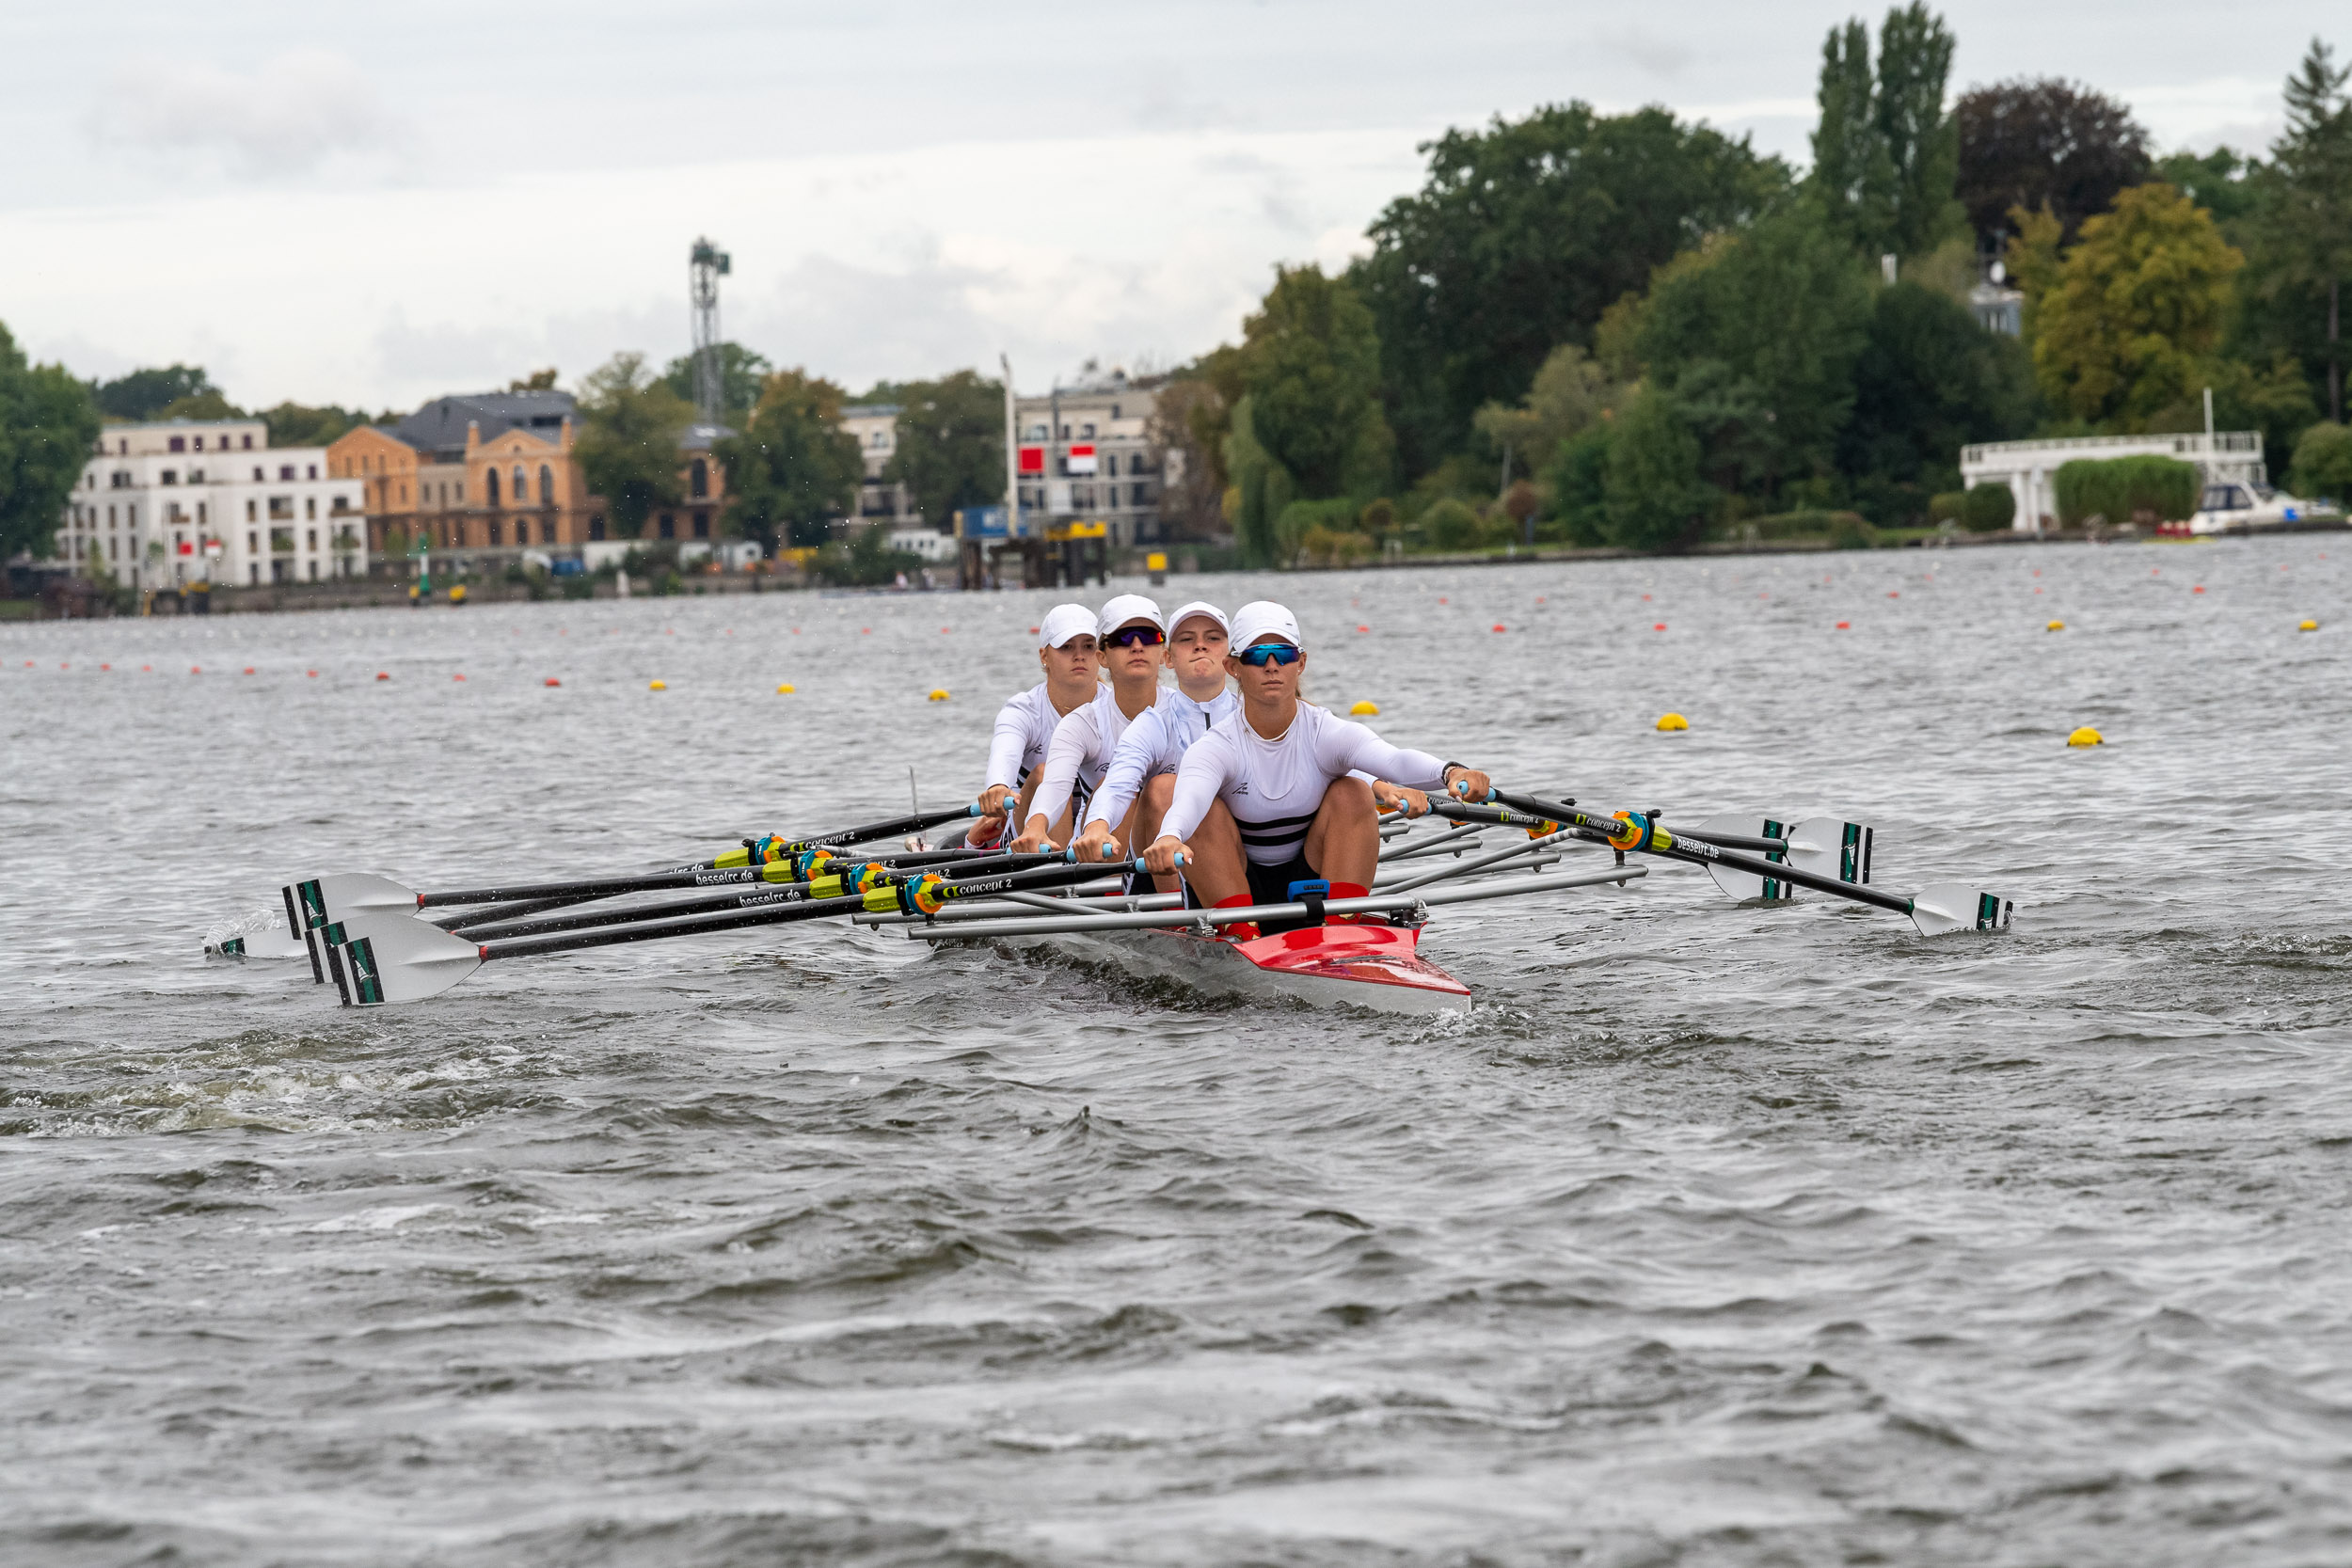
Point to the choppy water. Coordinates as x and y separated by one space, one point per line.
1712 1236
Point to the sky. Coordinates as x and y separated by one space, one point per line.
343 204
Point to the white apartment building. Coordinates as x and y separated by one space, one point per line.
1087 455
876 427
186 501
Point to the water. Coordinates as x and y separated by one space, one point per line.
1711 1236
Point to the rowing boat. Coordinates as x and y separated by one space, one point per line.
1376 968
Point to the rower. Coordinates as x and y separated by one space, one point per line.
1263 802
1132 634
1137 786
1066 652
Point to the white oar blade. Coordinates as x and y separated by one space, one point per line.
383 958
349 894
1829 847
1942 907
1744 887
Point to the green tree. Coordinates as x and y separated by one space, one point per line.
144 394
2309 220
2026 145
49 423
537 381
742 377
1656 498
793 470
1757 340
1312 370
1578 480
1854 171
2221 181
1520 236
200 405
1261 487
294 424
1921 137
2323 464
1929 381
950 444
629 428
1571 393
1189 421
2128 323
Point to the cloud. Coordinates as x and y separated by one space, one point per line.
293 111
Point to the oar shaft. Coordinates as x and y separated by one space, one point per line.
598 888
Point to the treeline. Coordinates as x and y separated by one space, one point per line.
1636 331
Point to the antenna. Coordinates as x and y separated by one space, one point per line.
708 265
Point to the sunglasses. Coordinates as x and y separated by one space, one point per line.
1136 637
1263 654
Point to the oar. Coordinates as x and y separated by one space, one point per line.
773 846
385 957
1936 909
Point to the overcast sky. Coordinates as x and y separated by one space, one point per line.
346 205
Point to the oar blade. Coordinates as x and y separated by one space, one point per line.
349 895
382 959
1829 847
1746 887
1943 907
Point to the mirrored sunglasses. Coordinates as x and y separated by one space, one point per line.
1262 654
1129 637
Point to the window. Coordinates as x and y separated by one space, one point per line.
403 494
314 471
179 443
669 526
110 516
199 443
281 506
1065 433
257 475
1142 494
596 528
1086 429
490 485
461 493
199 513
546 486
249 443
1114 410
1110 464
314 571
253 574
310 506
457 533
169 476
702 525
248 512
252 543
113 547
522 487
546 531
195 476
494 530
698 479
285 471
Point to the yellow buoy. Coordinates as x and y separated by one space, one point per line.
657 686
1365 709
457 594
1673 722
939 693
787 689
2307 625
2086 736
2056 625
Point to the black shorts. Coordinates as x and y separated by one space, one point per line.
1271 884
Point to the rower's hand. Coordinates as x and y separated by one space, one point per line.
1469 784
1389 797
1095 843
1166 851
1032 838
990 824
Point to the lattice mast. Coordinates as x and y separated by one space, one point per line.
708 265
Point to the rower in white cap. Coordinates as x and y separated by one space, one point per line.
1067 652
1132 634
1142 772
1265 799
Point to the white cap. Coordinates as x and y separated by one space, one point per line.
1064 622
1261 619
1201 606
1122 608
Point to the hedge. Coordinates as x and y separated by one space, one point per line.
2122 489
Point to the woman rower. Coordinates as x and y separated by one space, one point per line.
1131 633
1136 789
1025 725
1265 799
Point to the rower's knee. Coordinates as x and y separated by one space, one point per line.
1158 790
1352 795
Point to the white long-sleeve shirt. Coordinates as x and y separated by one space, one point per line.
1273 789
1079 751
1155 744
1025 727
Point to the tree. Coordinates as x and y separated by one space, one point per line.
144 394
1921 137
49 423
629 427
2027 144
2323 463
1757 340
1520 236
2127 323
950 444
1929 381
2309 226
1261 487
1578 478
1656 499
742 377
294 424
1187 422
1312 370
207 404
793 470
537 381
2220 181
1853 169
1569 394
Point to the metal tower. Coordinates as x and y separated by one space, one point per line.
710 264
